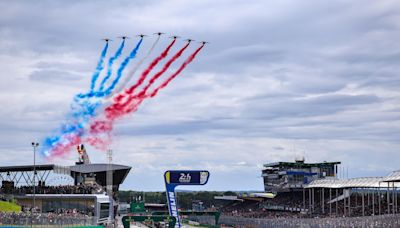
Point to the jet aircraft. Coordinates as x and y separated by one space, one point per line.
123 37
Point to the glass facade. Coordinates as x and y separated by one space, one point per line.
104 210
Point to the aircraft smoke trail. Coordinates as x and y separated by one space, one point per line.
101 94
123 100
59 149
121 69
110 64
142 94
99 67
180 69
83 110
71 130
151 66
132 72
103 127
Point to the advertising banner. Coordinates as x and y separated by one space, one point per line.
175 178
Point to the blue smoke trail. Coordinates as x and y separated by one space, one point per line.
121 68
132 72
101 94
77 120
110 64
99 67
83 110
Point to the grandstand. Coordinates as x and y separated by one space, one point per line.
82 173
311 195
87 201
354 197
319 200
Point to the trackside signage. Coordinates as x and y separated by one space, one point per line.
174 178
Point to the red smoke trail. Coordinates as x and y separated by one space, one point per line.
146 72
60 148
117 110
165 68
142 95
170 78
99 143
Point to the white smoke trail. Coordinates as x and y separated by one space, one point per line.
132 72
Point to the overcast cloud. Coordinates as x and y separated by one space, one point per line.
279 79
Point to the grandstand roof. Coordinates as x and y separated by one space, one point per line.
73 196
25 168
77 172
300 164
100 170
362 182
393 177
99 167
231 198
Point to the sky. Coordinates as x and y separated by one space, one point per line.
279 80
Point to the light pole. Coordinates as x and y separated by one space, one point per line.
34 146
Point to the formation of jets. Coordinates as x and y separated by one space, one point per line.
158 34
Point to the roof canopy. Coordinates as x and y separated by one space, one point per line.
119 172
24 172
26 168
362 182
98 167
300 164
393 177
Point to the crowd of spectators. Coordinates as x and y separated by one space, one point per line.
282 205
62 189
374 204
252 209
367 221
287 199
291 205
67 217
276 212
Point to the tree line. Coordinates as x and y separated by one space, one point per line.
185 199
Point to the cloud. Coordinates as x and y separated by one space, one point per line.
53 76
